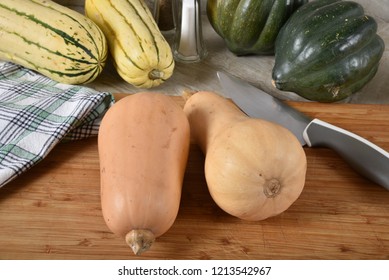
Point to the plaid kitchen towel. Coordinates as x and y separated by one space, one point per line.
36 113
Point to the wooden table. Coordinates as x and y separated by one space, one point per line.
53 211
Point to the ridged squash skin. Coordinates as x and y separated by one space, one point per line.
141 54
143 146
250 26
51 39
328 50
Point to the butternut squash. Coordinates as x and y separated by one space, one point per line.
254 169
143 146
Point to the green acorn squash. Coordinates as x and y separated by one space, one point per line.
327 50
250 26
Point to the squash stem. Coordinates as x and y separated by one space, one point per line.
272 188
140 240
156 74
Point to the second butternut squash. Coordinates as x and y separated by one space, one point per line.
254 169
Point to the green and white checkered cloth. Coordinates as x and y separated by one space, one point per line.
36 113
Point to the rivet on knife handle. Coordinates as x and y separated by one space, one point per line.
363 156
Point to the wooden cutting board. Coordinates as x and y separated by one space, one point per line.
53 211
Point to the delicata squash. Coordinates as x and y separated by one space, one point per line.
254 169
140 53
143 147
52 39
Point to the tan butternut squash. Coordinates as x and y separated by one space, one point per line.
143 147
254 169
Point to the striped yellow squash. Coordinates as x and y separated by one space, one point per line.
51 39
140 53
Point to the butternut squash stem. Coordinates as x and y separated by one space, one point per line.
187 93
140 240
272 188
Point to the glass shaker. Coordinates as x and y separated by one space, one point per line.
154 5
162 11
188 45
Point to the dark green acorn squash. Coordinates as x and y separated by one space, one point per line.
327 50
250 26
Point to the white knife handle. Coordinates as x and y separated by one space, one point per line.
363 156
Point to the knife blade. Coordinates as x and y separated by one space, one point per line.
363 156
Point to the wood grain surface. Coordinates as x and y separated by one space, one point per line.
53 211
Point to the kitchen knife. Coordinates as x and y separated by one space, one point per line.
363 156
